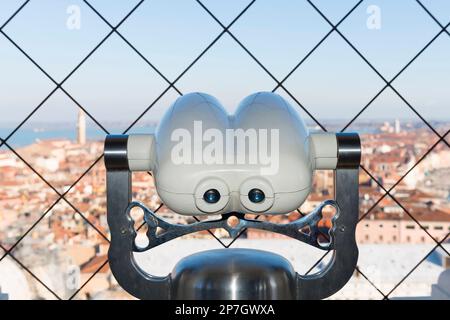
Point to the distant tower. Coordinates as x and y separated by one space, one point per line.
397 126
81 137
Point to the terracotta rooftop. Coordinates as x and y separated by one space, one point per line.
92 265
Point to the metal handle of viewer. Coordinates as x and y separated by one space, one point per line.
121 260
345 253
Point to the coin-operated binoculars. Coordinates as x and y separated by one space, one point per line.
260 160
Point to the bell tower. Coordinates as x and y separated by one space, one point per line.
81 126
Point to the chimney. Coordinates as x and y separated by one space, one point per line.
397 126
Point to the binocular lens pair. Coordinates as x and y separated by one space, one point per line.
213 196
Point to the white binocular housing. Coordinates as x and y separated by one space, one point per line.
259 160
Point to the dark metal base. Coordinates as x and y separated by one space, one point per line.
230 274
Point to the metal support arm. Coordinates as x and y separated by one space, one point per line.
121 260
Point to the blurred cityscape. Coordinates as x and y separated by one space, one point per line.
67 242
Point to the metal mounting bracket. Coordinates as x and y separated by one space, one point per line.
316 286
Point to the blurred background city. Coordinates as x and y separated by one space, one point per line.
74 71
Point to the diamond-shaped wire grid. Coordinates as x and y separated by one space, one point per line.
334 29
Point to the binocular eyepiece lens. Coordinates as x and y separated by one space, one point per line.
256 195
211 196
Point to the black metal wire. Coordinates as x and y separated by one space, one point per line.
14 14
226 29
432 17
105 262
403 176
61 196
58 86
171 85
392 80
318 44
88 280
24 267
131 46
417 265
191 64
409 214
388 83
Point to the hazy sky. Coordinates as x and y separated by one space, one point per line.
115 84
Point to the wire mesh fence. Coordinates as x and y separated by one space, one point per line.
62 195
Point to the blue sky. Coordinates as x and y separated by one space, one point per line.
115 84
